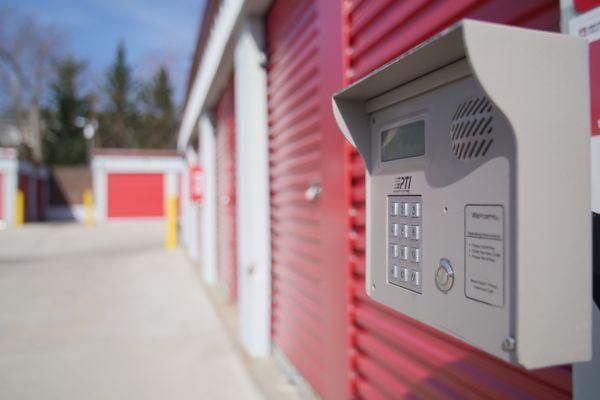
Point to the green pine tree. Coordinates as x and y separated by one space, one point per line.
117 124
158 112
64 142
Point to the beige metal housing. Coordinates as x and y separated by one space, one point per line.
504 210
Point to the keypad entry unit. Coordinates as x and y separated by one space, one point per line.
457 208
404 242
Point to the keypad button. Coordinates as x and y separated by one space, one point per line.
415 254
414 277
403 230
415 210
394 250
415 232
394 230
394 272
403 275
403 252
394 207
403 209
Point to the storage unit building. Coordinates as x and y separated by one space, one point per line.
134 184
29 178
303 278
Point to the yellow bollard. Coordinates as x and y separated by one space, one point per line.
20 209
171 222
88 203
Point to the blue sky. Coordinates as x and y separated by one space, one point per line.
155 32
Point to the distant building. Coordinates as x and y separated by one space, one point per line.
135 183
29 178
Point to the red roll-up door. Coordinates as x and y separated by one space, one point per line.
133 195
393 356
308 229
226 187
295 155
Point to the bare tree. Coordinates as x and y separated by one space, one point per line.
27 50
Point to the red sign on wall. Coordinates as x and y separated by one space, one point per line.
586 5
588 26
197 185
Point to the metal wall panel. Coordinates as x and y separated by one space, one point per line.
135 195
295 152
308 227
391 355
226 199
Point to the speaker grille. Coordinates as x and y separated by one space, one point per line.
471 129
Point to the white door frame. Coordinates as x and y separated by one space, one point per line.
10 182
191 220
253 197
209 205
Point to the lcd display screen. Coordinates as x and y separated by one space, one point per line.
403 141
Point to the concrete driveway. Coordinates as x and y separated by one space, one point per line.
108 313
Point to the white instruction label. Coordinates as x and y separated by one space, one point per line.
484 254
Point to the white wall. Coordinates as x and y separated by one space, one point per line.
208 217
252 144
215 65
100 193
596 174
185 223
210 67
8 169
191 222
171 185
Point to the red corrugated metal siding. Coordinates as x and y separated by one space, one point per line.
309 247
135 195
296 153
391 355
381 30
226 186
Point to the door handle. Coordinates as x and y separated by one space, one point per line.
313 192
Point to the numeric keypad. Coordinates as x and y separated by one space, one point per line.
404 241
